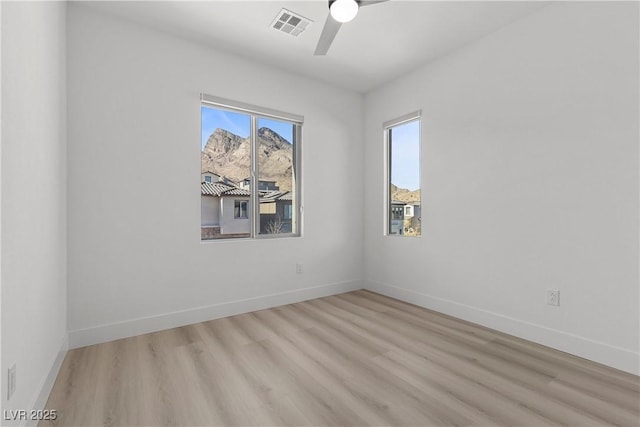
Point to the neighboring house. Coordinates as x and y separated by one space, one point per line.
414 222
208 176
212 177
276 212
408 211
405 217
397 217
262 185
225 210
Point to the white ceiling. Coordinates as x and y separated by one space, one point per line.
383 42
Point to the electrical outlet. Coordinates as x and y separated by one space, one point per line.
298 268
11 381
553 297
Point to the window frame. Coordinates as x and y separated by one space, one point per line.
239 203
253 204
388 207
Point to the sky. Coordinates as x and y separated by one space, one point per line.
405 155
405 152
239 124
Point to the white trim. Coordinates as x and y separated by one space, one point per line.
387 126
243 107
616 357
402 119
255 113
49 381
129 328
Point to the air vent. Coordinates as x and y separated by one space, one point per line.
290 23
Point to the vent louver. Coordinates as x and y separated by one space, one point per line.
290 23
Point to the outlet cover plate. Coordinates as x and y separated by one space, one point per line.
553 297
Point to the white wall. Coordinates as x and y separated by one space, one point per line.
530 182
136 262
229 224
210 210
33 198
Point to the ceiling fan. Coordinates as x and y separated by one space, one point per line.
340 12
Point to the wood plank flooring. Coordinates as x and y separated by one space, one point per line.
355 359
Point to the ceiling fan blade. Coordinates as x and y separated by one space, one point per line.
331 27
370 2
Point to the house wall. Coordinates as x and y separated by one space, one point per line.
210 210
228 223
280 210
214 177
33 200
133 105
268 208
530 182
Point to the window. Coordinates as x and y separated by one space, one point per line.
255 153
207 178
403 193
240 209
396 213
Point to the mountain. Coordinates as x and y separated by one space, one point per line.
229 155
404 195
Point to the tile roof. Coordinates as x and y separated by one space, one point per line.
221 189
272 196
399 202
287 195
235 191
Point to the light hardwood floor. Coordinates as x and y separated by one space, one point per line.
353 359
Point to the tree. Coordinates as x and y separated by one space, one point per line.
275 226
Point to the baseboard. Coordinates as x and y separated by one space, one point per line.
616 357
109 332
45 390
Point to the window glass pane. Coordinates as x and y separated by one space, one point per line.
250 166
404 185
240 209
276 176
225 170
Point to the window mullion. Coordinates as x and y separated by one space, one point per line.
389 195
255 196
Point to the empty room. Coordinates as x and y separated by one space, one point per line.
320 213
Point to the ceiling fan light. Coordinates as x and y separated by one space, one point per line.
344 10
